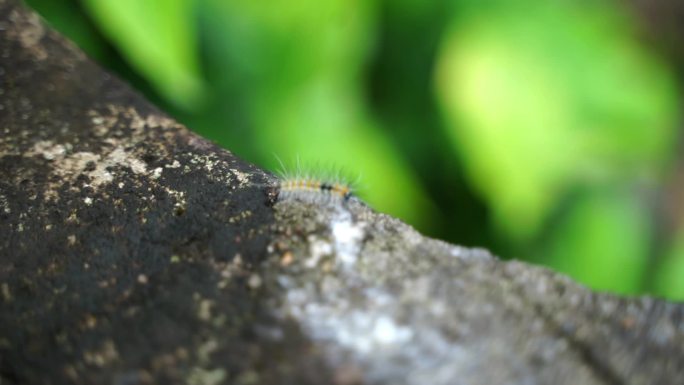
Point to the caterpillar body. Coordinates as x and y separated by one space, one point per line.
313 190
323 185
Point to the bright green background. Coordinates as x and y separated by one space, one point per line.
544 131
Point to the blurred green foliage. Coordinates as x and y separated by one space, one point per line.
669 281
297 67
549 97
556 98
541 130
158 38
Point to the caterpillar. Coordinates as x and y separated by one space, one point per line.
313 190
307 187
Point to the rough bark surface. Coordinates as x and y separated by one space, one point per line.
133 251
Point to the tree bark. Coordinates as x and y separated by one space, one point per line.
133 251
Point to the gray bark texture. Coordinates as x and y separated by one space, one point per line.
133 251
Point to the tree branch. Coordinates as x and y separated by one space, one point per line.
133 251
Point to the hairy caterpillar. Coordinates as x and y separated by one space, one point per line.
313 190
310 188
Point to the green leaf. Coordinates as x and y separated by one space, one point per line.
547 96
604 241
158 39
